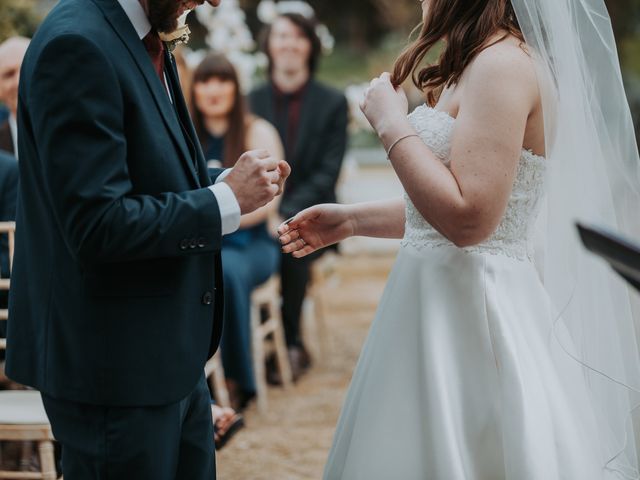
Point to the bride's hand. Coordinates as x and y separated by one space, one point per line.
384 105
315 228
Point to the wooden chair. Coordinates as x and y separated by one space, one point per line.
22 415
267 338
214 372
8 229
23 419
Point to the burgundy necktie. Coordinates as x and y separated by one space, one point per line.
155 48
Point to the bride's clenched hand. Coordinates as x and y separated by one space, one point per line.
385 106
315 228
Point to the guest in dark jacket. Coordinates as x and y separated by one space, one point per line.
311 119
12 53
8 196
250 255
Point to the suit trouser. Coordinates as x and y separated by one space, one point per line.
169 442
295 274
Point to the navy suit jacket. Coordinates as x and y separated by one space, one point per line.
116 293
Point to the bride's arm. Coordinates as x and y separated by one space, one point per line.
466 202
381 219
323 225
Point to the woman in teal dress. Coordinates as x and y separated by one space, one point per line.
250 255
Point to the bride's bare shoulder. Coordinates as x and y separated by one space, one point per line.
503 65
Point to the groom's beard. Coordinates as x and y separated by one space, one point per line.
163 14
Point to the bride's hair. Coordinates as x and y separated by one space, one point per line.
466 25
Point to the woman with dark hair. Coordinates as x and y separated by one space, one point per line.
311 119
484 361
250 255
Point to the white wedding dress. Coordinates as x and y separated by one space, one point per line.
461 377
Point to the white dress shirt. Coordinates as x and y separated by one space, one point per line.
227 202
13 128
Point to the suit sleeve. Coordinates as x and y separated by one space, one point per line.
326 172
214 173
76 112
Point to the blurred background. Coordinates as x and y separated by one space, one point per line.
365 36
361 38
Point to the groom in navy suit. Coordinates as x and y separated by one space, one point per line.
116 295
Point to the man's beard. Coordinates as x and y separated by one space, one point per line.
163 14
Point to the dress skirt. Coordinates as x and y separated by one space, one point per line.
462 378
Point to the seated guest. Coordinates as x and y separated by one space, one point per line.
11 55
311 119
8 197
251 255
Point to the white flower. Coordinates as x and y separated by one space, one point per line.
295 6
226 24
326 39
229 34
246 65
267 11
180 35
193 58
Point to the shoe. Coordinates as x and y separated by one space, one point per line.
221 439
273 374
300 361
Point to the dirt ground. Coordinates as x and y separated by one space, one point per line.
292 440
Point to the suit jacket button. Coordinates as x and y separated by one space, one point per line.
184 244
207 298
193 243
201 242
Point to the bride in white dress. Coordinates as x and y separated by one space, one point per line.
477 366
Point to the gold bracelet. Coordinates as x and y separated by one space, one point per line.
393 145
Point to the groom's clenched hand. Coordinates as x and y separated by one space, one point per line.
256 179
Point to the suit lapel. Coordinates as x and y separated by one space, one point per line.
123 28
185 118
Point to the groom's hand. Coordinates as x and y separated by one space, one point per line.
285 170
256 179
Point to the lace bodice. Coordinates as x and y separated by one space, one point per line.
511 237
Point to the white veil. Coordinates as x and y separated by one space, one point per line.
594 177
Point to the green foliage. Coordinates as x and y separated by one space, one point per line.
347 66
360 24
625 17
18 17
630 55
